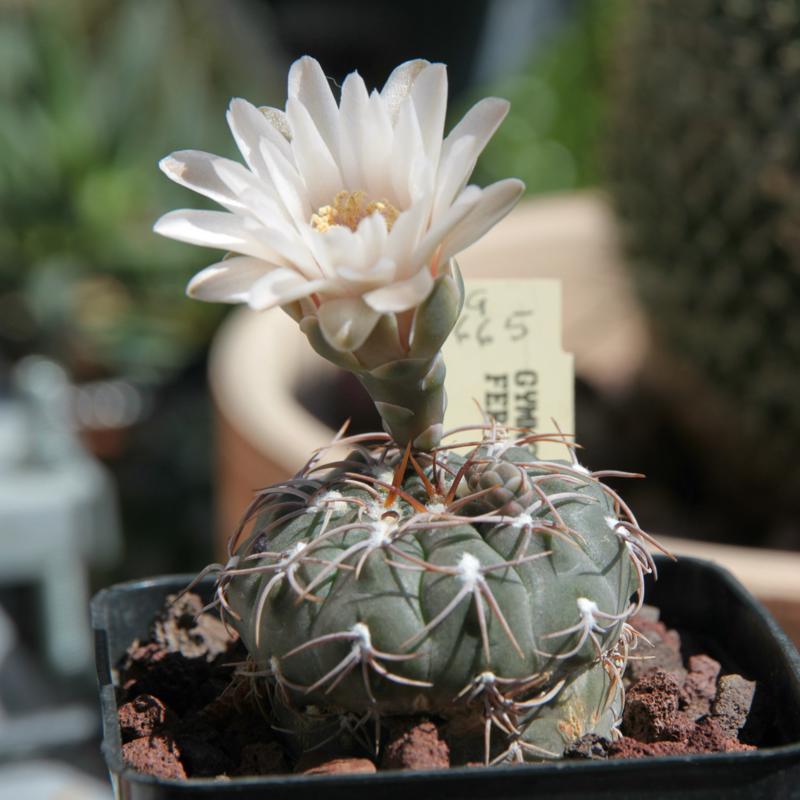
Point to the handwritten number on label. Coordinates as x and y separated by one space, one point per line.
478 302
516 325
482 335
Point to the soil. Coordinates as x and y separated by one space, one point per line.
185 713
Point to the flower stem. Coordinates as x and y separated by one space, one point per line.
411 400
405 379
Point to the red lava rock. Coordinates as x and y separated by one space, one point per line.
709 736
627 747
680 729
155 755
416 746
651 709
705 737
142 716
262 758
336 766
700 686
665 653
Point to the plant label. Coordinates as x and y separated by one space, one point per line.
505 356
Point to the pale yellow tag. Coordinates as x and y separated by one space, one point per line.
505 353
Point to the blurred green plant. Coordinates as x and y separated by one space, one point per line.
92 94
552 137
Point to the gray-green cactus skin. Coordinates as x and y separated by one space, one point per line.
487 590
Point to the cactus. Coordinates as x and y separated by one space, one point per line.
703 162
474 584
489 591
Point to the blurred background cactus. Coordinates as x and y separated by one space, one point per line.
705 172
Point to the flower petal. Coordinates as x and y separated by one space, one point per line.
279 287
401 296
353 111
289 186
228 281
405 236
277 119
253 195
197 171
372 234
381 272
249 126
276 244
346 322
429 94
399 84
216 229
337 247
308 84
275 228
314 160
453 172
460 150
481 121
376 149
495 202
441 227
407 148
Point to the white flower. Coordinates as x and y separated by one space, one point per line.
352 208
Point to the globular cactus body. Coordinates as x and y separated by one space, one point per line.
488 591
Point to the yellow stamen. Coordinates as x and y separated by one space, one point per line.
349 208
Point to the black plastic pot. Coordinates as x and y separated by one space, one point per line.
714 613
